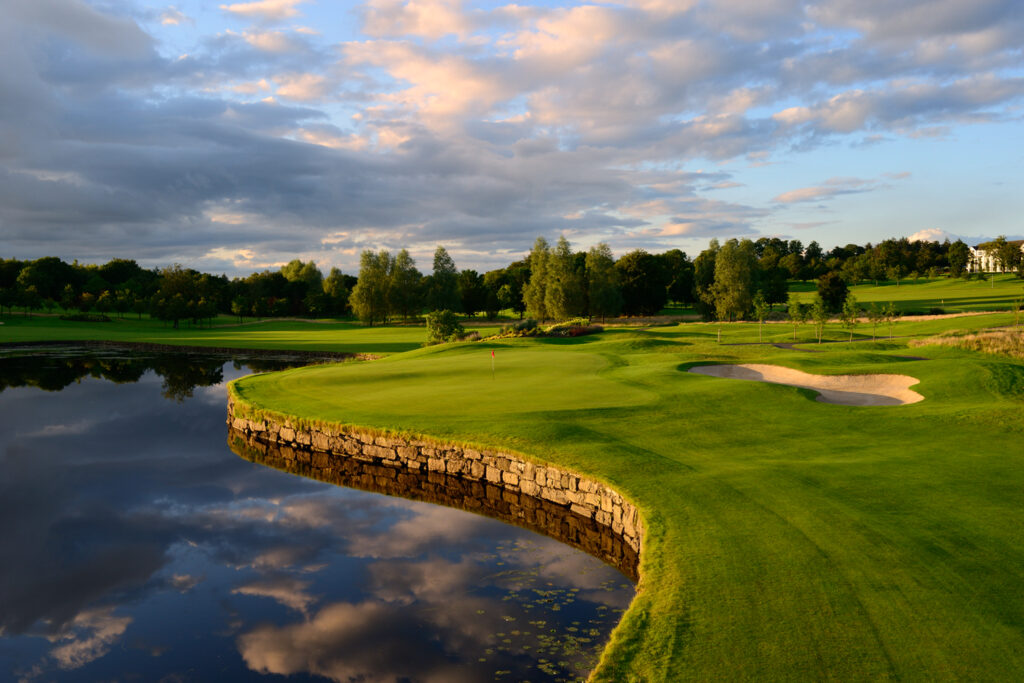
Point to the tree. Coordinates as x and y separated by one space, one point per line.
404 286
832 290
565 296
875 316
472 292
603 282
444 283
337 290
734 279
443 326
177 289
369 299
680 273
797 313
761 308
535 291
643 281
819 315
891 314
959 256
704 280
850 315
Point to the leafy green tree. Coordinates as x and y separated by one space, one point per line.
680 272
535 291
603 282
733 288
797 313
875 316
177 289
761 308
240 306
443 293
891 314
443 326
565 295
819 315
832 290
472 292
404 288
643 283
704 280
369 299
850 315
337 290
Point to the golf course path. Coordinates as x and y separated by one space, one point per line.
847 390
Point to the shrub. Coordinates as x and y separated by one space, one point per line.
522 328
443 326
576 327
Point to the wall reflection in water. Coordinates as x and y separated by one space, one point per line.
135 544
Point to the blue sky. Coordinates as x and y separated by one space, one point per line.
237 136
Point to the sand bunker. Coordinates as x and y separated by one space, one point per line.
847 390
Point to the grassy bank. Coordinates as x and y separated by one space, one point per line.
786 538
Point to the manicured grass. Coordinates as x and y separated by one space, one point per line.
786 539
342 337
953 295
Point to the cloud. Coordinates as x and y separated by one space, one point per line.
287 591
932 235
832 188
88 637
267 10
172 16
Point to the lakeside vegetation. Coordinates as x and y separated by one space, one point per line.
785 537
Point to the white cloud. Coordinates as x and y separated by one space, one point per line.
268 10
88 637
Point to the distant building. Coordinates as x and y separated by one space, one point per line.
985 260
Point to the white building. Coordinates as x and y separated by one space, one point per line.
985 260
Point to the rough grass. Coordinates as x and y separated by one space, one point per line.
997 342
786 539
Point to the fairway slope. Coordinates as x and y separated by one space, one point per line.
847 390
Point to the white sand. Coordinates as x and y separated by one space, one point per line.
847 390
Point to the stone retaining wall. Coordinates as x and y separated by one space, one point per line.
320 447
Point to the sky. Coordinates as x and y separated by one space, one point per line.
236 137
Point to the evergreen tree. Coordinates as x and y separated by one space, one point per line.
603 292
535 291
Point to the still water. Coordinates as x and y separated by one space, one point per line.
135 545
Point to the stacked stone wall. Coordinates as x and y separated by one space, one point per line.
323 448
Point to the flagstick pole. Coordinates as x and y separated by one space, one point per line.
492 367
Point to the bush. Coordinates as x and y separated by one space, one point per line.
523 328
576 327
443 326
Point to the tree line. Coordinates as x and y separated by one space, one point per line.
727 281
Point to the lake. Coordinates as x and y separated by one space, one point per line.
134 544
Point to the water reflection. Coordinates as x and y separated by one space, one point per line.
133 543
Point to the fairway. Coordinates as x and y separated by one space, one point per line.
785 538
952 295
